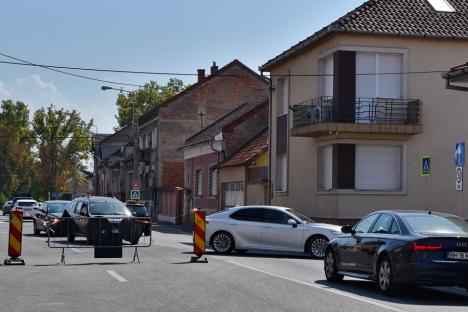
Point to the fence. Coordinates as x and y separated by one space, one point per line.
356 110
107 235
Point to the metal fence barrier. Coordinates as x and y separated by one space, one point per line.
107 235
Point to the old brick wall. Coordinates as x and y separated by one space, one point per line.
179 119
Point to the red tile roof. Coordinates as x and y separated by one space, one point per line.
411 18
249 152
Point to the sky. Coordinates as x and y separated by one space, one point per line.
142 35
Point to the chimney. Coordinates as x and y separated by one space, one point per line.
201 75
214 68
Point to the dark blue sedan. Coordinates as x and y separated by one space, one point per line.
402 247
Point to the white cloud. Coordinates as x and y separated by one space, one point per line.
48 89
4 93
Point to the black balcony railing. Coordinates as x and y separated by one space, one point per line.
357 110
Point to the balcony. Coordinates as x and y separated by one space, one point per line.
327 115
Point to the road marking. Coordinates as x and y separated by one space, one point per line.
76 250
337 292
117 276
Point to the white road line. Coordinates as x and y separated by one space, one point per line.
117 276
317 286
76 250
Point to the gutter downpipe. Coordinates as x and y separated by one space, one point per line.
270 104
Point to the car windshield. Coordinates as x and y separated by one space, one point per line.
436 224
300 216
108 208
56 207
138 209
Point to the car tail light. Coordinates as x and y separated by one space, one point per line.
426 247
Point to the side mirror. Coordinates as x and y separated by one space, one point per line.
292 222
347 229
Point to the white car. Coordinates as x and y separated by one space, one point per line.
267 228
27 206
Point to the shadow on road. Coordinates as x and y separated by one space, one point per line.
408 295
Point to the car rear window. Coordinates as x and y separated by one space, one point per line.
108 208
26 204
56 207
436 224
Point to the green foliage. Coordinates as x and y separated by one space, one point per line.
146 98
63 141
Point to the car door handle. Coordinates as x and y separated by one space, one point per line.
233 224
267 227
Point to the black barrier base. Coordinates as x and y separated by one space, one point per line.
13 261
196 259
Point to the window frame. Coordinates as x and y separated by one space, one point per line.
377 214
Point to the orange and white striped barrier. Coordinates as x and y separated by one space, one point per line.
199 229
15 238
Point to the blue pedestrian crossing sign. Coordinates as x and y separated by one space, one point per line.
460 154
425 165
135 194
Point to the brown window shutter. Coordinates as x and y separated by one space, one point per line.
345 160
281 134
344 86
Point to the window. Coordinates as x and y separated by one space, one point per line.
249 214
275 216
78 207
441 5
213 182
395 229
233 194
378 167
360 167
383 224
198 183
282 134
365 224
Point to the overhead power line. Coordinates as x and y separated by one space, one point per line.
118 71
27 63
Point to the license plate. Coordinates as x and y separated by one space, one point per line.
115 231
456 255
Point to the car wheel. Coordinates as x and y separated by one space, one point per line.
222 243
135 241
147 232
331 269
317 246
385 276
36 230
71 238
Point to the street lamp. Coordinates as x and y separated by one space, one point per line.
134 132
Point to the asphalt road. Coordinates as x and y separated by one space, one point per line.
165 280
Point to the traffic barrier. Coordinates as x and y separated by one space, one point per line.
199 228
15 239
107 235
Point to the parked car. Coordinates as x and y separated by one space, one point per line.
6 208
402 247
102 219
27 206
139 210
267 228
49 218
19 196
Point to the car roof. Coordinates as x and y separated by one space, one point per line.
27 200
58 201
261 206
402 213
95 199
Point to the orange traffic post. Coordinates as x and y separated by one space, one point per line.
15 238
199 228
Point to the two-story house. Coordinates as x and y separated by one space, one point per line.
205 151
357 104
166 127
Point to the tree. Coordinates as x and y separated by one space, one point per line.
16 140
145 98
63 142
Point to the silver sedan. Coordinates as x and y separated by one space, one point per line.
267 228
